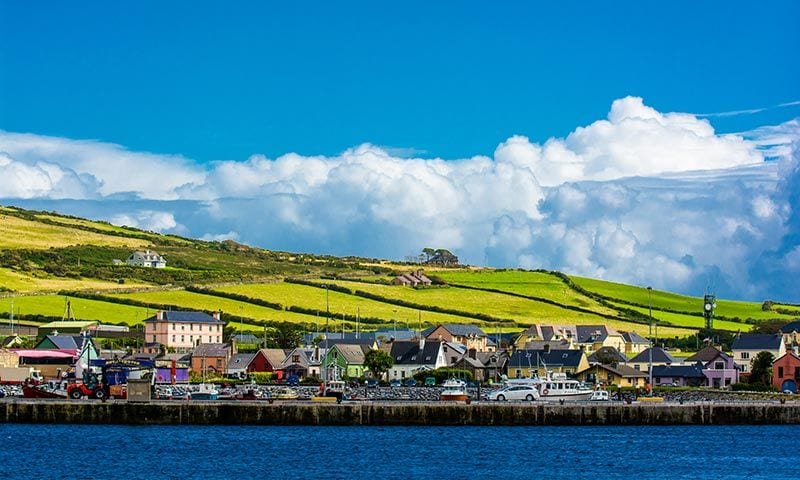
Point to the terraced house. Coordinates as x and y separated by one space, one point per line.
345 361
181 331
471 336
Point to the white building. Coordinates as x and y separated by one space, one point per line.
148 258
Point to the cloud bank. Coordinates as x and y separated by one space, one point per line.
642 197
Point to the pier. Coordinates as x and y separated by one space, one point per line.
394 413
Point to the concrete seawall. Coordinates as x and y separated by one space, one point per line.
393 413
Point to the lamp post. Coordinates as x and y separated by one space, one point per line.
324 369
650 311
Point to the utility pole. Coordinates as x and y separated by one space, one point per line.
650 310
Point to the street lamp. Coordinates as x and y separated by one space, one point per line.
650 310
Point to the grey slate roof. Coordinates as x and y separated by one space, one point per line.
791 327
757 341
408 353
659 356
457 329
241 360
211 350
186 317
591 333
621 370
603 354
562 358
705 355
678 371
633 337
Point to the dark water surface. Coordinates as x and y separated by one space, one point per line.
120 452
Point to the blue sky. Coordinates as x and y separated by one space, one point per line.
638 142
448 79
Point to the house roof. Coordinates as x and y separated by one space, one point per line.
705 355
353 354
791 327
757 341
457 329
678 371
592 333
351 341
246 338
80 324
604 354
64 342
633 337
621 370
562 358
542 344
211 350
659 356
241 360
275 356
185 317
408 353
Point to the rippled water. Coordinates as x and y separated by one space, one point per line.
111 452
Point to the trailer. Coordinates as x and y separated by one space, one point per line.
18 375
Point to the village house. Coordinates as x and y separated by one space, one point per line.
613 374
526 363
268 360
181 331
607 356
718 367
471 336
786 372
634 343
413 279
237 365
413 357
302 363
147 258
547 333
791 332
12 341
747 345
679 375
594 337
660 357
212 358
344 361
484 366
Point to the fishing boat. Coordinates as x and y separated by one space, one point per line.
205 392
455 390
556 387
32 389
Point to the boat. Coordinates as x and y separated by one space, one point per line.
556 388
32 389
205 392
455 390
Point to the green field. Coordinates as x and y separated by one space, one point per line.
16 233
673 301
82 309
690 321
311 297
24 282
231 309
534 284
523 311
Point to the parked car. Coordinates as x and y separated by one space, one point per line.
600 396
395 383
514 392
284 393
430 381
371 383
411 383
293 380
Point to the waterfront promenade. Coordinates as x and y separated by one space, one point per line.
395 413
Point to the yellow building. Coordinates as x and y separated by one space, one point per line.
525 363
615 374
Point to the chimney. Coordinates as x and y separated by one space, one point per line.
216 315
421 343
160 315
473 354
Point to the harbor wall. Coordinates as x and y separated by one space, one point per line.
391 413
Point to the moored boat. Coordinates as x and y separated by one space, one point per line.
41 390
556 388
454 391
205 392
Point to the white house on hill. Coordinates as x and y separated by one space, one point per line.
148 258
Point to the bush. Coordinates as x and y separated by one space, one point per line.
442 374
751 387
262 377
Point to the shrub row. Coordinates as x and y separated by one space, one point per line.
234 296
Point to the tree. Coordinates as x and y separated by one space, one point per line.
428 252
761 372
286 335
378 362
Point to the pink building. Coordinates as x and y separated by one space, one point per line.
181 331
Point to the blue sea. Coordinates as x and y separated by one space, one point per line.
502 453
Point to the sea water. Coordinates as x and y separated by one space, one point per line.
186 452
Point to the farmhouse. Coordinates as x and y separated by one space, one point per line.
747 345
413 279
181 331
147 258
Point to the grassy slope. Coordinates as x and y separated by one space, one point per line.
691 321
42 282
230 308
311 297
523 311
673 301
20 233
534 284
53 305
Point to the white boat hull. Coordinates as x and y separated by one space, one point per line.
567 397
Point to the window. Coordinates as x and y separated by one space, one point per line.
719 365
295 358
796 372
154 338
173 338
780 372
745 355
519 373
183 327
182 338
191 327
218 338
403 374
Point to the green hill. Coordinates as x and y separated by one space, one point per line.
46 258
